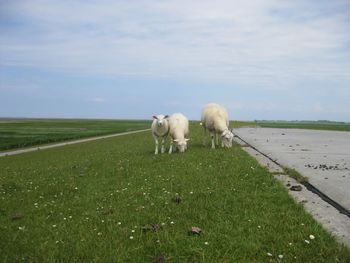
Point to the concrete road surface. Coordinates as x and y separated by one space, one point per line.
322 156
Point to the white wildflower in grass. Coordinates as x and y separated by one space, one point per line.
53 225
57 241
259 226
206 243
269 254
280 256
21 227
172 222
131 237
99 233
133 231
312 237
163 224
64 218
70 216
76 188
119 223
307 241
290 244
191 193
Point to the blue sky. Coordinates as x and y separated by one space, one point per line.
132 59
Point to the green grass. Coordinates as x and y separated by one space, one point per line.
295 174
17 133
314 125
72 199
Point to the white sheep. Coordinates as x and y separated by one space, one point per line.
215 120
178 131
160 129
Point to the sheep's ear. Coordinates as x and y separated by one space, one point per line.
176 140
155 117
187 140
166 116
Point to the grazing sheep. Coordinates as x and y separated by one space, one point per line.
215 120
178 130
160 128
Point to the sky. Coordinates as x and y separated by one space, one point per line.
261 59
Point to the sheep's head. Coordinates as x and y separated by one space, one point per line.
227 137
181 144
160 119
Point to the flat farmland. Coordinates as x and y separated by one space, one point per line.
311 125
113 200
19 133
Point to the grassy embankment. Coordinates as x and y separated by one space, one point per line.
113 200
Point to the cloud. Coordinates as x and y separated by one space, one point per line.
262 58
263 43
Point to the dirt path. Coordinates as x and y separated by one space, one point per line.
43 147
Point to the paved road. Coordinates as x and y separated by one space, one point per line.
32 149
322 156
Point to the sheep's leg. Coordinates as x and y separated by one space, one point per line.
212 140
171 146
156 141
204 136
217 139
163 147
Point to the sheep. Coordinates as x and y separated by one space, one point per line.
178 131
160 128
215 120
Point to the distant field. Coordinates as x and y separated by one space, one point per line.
313 125
239 124
17 133
113 200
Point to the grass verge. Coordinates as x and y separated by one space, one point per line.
295 174
113 200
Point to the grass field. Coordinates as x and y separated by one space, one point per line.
314 125
113 200
17 133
